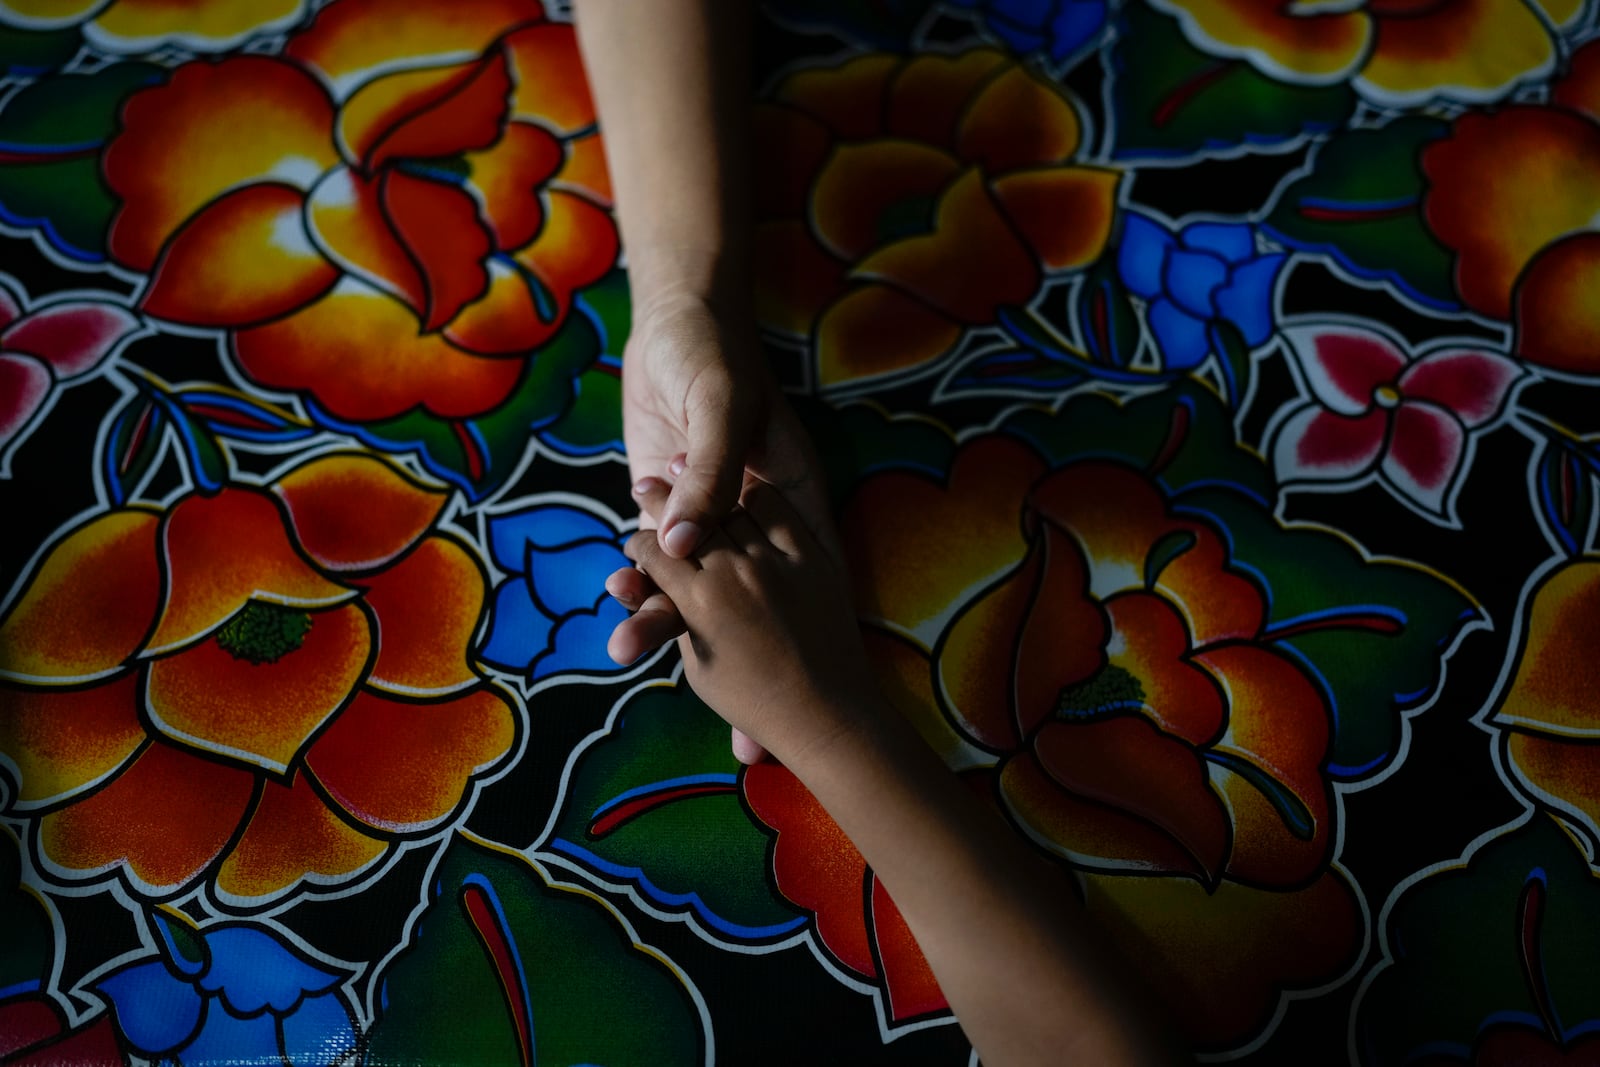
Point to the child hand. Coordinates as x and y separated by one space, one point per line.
772 643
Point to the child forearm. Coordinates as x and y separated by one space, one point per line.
1003 932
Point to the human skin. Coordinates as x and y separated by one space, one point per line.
671 86
773 647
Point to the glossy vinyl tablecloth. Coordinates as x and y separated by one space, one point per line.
1207 389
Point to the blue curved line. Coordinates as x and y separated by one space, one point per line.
662 787
676 901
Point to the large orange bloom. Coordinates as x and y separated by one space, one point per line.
1396 52
1110 662
905 200
386 220
264 685
1551 712
1514 194
134 26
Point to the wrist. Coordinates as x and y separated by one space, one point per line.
665 278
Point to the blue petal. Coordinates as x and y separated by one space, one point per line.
573 579
1142 255
1027 12
1233 241
1016 38
518 630
1191 278
1182 337
319 1032
1246 301
580 643
155 1011
546 526
227 1039
1078 22
253 970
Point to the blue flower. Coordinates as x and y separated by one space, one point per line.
230 994
1207 274
552 615
1056 28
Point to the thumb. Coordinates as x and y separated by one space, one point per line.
709 486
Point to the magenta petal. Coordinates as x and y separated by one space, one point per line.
1343 365
1473 384
72 337
24 383
1317 445
1425 453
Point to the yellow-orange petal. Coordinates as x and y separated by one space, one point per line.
163 820
1556 688
442 234
89 605
345 46
358 353
872 193
1318 47
905 678
353 512
903 571
425 113
404 768
848 99
244 259
180 145
1562 770
789 148
585 171
1018 120
875 331
552 89
507 319
260 713
1473 51
1556 315
144 25
1218 961
1117 517
1152 644
1063 213
221 551
346 218
577 245
795 277
428 607
506 179
289 836
976 663
61 742
930 94
969 266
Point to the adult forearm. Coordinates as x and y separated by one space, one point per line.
1002 931
670 83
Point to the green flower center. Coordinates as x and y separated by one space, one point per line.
1109 690
264 633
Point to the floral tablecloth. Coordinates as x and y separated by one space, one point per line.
1208 392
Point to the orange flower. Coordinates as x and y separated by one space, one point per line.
1513 193
905 200
1398 53
407 219
202 690
1108 659
134 26
1551 712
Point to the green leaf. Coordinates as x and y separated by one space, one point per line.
506 967
1360 202
26 944
28 53
52 133
1506 941
1172 100
653 804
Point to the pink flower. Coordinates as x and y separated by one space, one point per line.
1407 418
43 348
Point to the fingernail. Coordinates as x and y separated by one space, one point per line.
644 485
681 539
675 468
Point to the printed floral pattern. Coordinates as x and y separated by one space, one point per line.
1205 388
